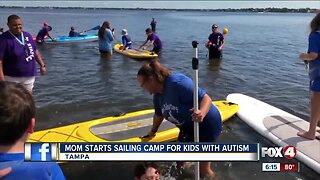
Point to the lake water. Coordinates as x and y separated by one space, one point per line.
260 59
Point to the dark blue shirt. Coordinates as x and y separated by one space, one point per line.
216 39
176 102
73 34
314 47
42 33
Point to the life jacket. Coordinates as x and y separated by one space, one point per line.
128 39
314 71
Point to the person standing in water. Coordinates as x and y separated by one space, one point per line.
43 33
215 43
18 55
152 39
175 90
106 36
313 60
153 25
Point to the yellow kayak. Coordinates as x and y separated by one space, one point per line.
125 128
134 53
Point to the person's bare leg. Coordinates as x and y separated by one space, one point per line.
106 55
314 117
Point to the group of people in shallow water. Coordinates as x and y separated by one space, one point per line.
18 57
106 36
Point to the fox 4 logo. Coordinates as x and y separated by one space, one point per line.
288 152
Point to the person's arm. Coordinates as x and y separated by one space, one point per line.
222 44
209 43
204 108
157 120
49 36
110 35
5 171
2 51
313 48
1 71
150 43
308 56
144 43
39 59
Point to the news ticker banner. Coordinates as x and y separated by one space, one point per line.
140 152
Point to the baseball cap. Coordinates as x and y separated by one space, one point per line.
124 32
45 24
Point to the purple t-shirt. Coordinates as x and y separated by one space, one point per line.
156 40
18 60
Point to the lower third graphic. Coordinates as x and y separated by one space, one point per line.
40 151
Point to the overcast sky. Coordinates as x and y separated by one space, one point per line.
167 4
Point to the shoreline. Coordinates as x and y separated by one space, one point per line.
254 10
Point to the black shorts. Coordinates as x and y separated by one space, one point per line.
214 53
156 49
104 52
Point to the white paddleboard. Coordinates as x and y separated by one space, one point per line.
278 126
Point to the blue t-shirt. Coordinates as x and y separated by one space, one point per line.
216 39
29 170
314 47
105 42
18 60
177 100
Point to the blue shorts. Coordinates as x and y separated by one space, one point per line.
188 136
315 85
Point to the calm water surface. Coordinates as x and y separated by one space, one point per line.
260 60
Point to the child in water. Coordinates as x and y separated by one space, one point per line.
126 40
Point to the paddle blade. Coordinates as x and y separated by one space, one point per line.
95 28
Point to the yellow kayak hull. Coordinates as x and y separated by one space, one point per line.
134 53
125 128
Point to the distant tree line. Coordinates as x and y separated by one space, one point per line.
279 10
262 10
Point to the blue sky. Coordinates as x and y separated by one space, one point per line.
167 4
